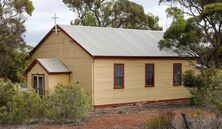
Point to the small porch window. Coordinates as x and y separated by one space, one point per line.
38 83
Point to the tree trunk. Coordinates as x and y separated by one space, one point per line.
185 121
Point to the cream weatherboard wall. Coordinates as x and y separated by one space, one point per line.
72 55
55 79
134 79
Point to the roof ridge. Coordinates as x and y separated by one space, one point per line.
97 27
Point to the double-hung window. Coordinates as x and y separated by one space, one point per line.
149 75
38 83
118 76
177 74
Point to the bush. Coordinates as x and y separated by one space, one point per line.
190 80
17 106
33 104
68 102
206 88
197 97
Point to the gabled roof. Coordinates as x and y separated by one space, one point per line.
115 42
50 65
100 41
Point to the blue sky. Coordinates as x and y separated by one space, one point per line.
41 20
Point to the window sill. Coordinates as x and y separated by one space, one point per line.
177 84
149 86
117 88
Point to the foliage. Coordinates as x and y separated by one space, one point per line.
160 122
190 80
195 30
12 47
68 102
17 106
114 13
22 60
206 88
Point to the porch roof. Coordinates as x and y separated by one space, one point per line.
50 65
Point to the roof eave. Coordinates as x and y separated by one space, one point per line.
40 43
59 72
143 57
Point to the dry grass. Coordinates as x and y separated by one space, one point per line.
128 117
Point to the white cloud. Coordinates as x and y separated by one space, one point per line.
41 20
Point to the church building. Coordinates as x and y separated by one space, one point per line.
116 66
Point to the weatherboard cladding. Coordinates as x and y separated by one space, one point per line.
100 41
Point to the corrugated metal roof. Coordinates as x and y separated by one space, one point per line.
100 41
53 65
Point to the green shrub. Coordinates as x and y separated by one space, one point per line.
33 104
160 122
190 80
17 106
207 89
197 97
68 102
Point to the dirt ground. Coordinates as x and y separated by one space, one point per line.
129 117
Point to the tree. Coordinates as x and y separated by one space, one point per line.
195 30
12 45
115 13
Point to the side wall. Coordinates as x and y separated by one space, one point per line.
134 79
73 56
